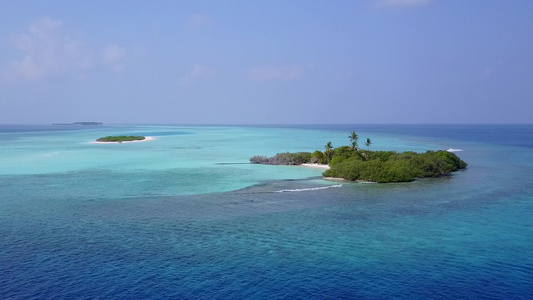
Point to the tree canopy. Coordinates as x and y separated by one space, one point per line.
354 164
353 139
121 138
391 166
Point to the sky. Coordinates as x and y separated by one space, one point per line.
266 62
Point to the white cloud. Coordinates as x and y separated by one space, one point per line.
198 72
113 53
47 50
400 3
113 56
26 68
285 73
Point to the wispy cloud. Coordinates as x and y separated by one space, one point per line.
113 53
113 56
400 3
285 73
198 72
48 50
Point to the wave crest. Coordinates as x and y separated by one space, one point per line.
310 189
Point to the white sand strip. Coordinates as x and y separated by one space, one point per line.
316 166
146 139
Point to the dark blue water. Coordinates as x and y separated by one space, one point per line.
512 135
468 236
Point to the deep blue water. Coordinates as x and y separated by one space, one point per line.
513 135
467 236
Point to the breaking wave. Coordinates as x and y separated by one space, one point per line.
309 189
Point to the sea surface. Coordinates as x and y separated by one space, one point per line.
187 217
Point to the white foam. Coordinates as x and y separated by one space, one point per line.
310 189
454 150
50 154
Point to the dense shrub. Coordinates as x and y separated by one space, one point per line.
453 159
378 166
388 166
344 151
317 157
381 155
259 159
120 139
286 158
301 158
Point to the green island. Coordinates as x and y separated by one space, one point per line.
354 164
121 138
81 123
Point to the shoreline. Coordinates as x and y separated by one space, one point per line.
335 179
316 166
146 139
338 179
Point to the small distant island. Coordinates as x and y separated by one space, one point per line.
353 164
121 138
81 123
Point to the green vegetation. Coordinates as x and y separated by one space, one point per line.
353 139
390 166
81 123
120 139
368 143
351 163
318 157
286 158
328 152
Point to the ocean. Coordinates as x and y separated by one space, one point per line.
187 217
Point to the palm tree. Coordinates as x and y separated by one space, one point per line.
353 138
327 150
368 143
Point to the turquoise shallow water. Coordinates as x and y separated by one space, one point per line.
184 216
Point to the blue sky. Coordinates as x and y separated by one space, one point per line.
267 62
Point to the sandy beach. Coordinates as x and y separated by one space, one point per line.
316 166
147 139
